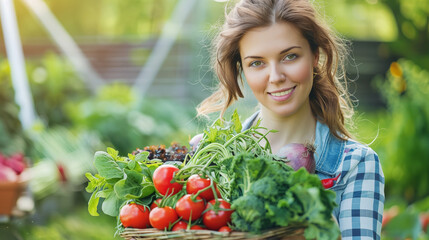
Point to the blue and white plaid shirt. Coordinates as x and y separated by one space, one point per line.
359 188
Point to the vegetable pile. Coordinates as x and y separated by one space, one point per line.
11 167
229 181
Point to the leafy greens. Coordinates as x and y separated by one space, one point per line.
119 179
267 194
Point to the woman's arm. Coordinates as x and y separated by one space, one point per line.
362 202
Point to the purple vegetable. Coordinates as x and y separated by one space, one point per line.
195 141
298 156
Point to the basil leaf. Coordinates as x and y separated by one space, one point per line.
132 164
93 183
111 205
107 166
142 156
93 204
133 186
147 189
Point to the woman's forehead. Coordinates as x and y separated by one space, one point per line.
275 37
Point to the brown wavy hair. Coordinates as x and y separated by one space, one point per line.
329 98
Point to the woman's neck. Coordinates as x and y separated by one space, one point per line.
298 128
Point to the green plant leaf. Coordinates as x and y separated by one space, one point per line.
93 204
235 119
112 204
133 186
142 156
94 182
112 152
107 166
405 225
132 164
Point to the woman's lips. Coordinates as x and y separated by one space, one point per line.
282 95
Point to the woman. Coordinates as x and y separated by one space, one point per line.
289 59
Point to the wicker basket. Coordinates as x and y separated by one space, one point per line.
286 233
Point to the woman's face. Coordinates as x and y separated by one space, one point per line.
278 65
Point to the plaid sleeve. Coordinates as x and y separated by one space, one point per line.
362 202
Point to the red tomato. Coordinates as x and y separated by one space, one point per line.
162 218
195 183
135 216
225 229
197 227
189 209
154 205
215 220
162 180
181 225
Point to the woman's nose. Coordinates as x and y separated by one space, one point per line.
276 74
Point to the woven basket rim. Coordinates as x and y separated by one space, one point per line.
152 233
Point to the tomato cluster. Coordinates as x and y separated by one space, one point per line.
200 208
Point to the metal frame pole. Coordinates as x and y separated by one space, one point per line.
162 47
23 96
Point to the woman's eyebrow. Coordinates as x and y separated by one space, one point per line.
282 52
288 49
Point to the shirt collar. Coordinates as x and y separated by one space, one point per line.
329 149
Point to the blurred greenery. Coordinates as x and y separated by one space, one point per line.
404 24
405 145
125 125
74 123
12 137
53 83
76 223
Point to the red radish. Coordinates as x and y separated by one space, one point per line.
7 174
62 172
3 158
15 162
299 155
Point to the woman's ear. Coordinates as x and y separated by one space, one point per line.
316 57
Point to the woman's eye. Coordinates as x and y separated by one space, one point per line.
255 63
290 57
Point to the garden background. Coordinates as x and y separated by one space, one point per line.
148 70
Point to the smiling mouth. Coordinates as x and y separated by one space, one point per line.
282 93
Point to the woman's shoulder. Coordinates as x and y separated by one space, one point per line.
361 156
355 149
